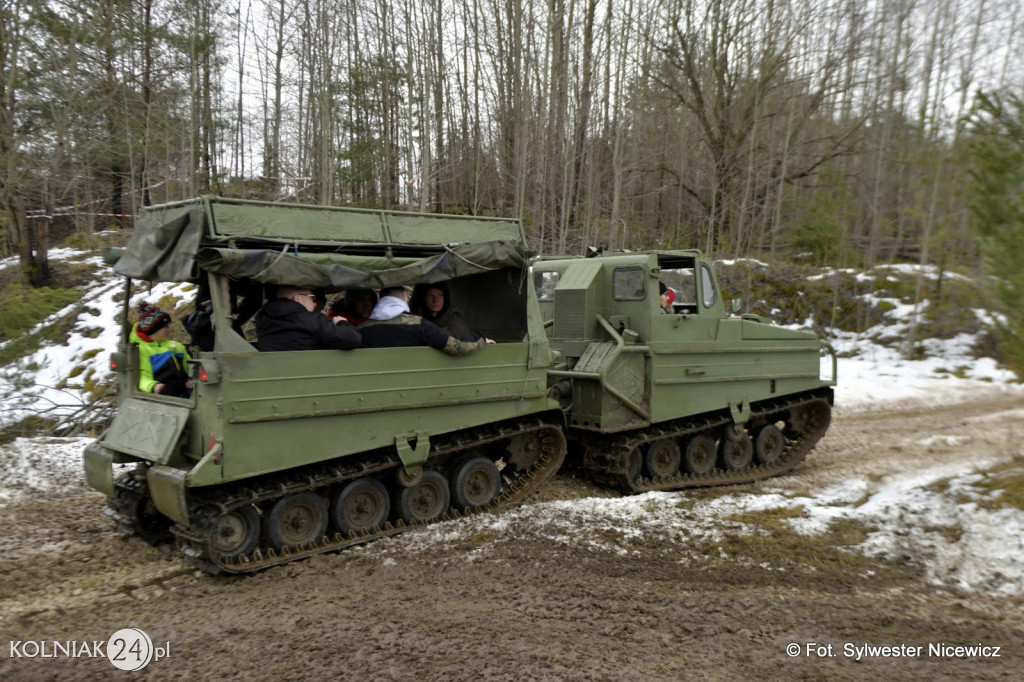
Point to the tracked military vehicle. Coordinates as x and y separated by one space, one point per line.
277 456
666 395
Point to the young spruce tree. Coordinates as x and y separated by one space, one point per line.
996 201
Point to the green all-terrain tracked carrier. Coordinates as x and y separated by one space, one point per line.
664 395
280 455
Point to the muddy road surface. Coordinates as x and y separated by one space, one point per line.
504 602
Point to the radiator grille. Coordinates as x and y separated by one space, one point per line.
570 314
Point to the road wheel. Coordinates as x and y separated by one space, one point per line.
236 532
361 506
699 455
735 452
663 458
425 501
477 482
769 443
634 464
297 520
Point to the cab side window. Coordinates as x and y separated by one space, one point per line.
709 294
629 284
545 283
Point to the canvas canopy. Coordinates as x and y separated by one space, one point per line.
349 272
163 248
173 243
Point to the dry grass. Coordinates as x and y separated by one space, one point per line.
1004 484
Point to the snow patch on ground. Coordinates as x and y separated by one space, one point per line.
42 383
960 543
41 467
936 517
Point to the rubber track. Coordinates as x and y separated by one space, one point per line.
606 460
130 493
206 507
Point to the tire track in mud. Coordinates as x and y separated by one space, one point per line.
911 436
551 609
65 554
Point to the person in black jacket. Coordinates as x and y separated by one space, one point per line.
391 324
289 322
433 302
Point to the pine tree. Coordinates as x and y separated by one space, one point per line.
996 202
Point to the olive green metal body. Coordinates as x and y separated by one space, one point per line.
255 419
245 471
632 363
269 412
628 366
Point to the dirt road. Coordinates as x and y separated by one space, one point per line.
530 606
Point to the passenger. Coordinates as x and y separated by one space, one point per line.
391 324
162 361
199 323
319 300
250 302
199 326
433 303
289 323
667 298
356 306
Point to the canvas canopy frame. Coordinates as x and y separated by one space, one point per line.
315 246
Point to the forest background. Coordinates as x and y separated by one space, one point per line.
841 132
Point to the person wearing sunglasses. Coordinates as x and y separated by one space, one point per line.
290 322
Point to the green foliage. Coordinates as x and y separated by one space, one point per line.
1012 344
795 293
820 237
952 312
23 307
817 229
28 427
996 202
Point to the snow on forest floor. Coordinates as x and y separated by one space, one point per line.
946 519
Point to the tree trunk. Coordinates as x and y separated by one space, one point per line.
115 169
